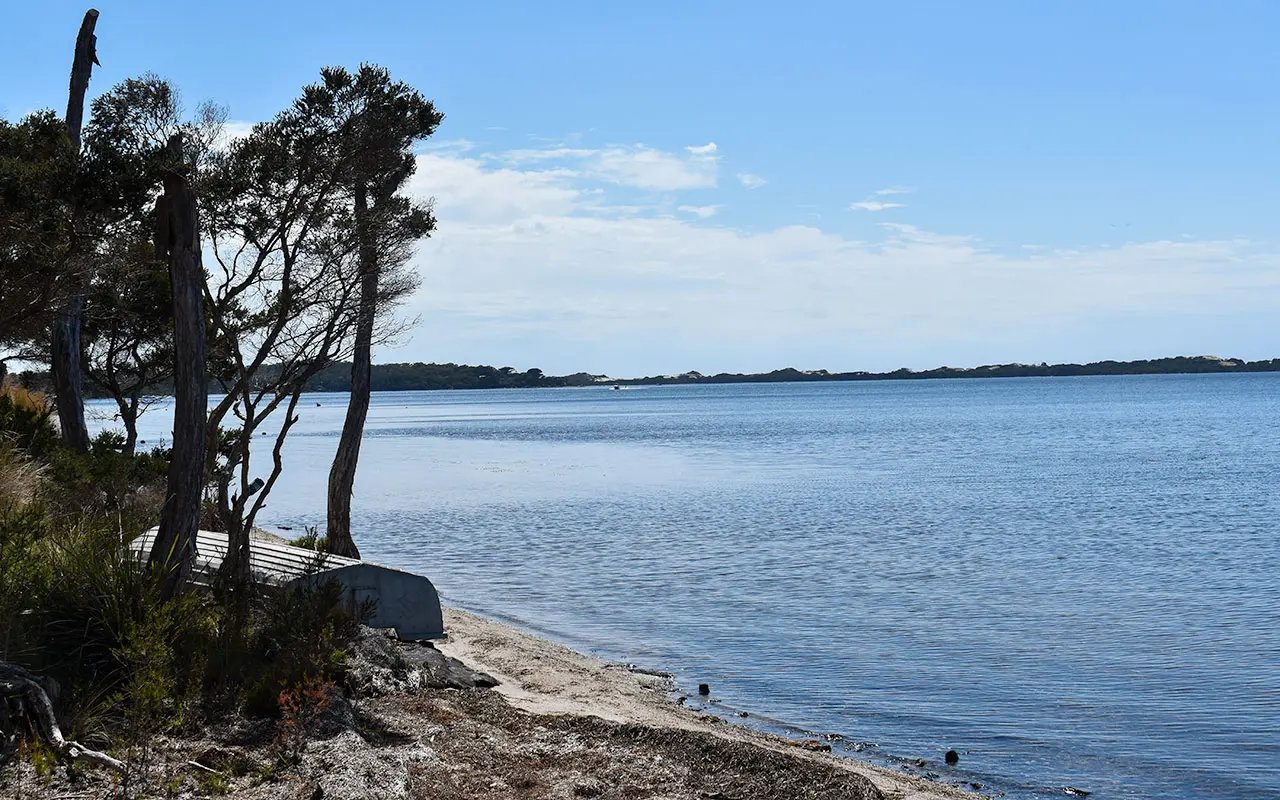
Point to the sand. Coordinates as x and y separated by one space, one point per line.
543 677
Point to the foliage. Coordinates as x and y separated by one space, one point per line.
301 705
37 185
109 480
303 631
76 608
26 419
311 540
128 325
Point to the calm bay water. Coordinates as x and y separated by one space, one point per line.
1071 581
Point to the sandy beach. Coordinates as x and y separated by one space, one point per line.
542 677
417 721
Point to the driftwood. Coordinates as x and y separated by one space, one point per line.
24 696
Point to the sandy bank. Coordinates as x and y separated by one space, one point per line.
542 677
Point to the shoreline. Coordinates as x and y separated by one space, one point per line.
540 676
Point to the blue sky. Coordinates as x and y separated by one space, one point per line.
905 184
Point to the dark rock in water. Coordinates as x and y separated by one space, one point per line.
975 784
1071 790
680 700
704 689
952 758
743 714
920 762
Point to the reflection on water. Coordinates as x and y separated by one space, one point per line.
1071 581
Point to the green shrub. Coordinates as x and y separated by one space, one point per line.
77 608
302 632
311 540
106 479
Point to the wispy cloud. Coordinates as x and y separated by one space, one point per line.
636 166
452 145
705 212
874 205
751 181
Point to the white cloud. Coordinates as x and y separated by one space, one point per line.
534 267
636 166
894 190
751 181
231 131
644 168
474 191
874 205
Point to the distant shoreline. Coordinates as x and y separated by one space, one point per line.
427 377
406 377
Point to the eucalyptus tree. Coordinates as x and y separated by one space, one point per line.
380 121
128 329
128 317
37 184
281 302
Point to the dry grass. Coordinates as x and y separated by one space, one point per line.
26 399
20 476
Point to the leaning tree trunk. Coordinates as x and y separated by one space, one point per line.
177 235
342 476
65 355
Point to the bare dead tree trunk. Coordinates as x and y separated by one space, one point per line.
67 372
342 475
177 234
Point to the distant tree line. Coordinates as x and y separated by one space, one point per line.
406 377
419 376
1154 366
